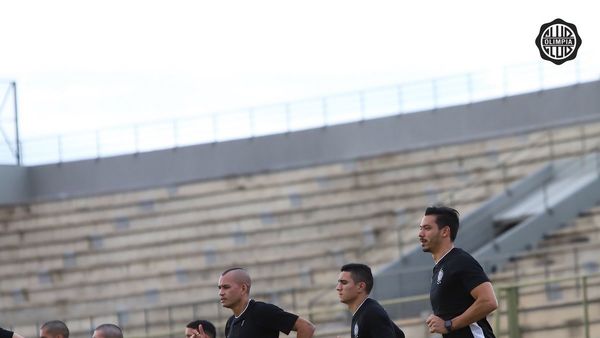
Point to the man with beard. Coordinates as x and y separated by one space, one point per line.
461 293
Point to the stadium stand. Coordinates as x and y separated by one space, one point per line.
149 259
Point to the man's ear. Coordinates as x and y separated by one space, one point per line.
447 232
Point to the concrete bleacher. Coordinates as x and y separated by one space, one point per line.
293 228
570 250
549 274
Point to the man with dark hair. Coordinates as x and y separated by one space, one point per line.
54 329
108 331
9 334
369 319
461 293
252 319
200 329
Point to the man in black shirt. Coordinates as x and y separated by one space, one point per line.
369 319
252 319
461 293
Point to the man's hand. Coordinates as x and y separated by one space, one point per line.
200 333
436 324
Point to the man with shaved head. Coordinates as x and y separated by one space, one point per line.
252 319
108 331
54 329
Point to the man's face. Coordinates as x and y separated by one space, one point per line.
98 334
45 334
189 333
230 291
429 233
347 289
195 333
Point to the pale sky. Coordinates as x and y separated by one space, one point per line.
83 65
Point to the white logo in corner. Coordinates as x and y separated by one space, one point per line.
440 275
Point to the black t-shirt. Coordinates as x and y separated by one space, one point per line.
5 333
371 321
260 320
454 277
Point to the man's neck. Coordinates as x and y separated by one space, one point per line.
353 307
240 307
444 249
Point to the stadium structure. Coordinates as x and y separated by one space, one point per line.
140 239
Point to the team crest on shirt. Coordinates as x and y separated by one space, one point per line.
355 330
440 275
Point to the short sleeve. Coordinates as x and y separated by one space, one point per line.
379 326
472 274
228 326
273 317
399 333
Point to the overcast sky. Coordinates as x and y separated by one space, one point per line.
82 65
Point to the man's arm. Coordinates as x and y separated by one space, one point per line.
485 303
304 328
16 335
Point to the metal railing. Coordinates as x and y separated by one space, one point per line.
507 320
510 320
10 151
305 114
513 307
160 320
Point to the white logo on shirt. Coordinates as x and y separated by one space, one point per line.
356 330
440 275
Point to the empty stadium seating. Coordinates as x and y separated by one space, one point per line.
120 256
